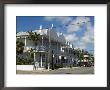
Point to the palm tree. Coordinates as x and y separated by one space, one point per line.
30 56
19 47
81 56
19 50
34 37
31 53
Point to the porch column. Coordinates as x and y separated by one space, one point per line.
25 41
34 57
68 61
45 60
59 59
41 61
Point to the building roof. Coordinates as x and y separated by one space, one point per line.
62 38
41 32
53 34
22 34
86 56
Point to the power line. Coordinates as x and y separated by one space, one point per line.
76 24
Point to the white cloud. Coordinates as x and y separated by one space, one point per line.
81 19
88 37
75 25
71 37
83 41
62 19
82 45
73 28
49 18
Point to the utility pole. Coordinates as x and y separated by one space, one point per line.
52 61
41 53
57 52
49 51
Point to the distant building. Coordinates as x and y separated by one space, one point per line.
51 46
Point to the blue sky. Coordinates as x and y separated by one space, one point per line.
78 30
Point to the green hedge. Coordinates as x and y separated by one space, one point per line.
56 66
23 61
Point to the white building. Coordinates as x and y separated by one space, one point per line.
51 48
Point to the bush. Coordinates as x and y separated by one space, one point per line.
56 66
23 61
70 66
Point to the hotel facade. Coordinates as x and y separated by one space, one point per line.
51 48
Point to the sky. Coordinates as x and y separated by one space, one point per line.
78 30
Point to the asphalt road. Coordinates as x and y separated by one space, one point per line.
74 70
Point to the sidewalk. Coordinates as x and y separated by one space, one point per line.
68 68
46 70
74 70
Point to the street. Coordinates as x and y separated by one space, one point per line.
74 70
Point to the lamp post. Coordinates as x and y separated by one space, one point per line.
49 52
34 57
34 60
41 61
52 60
57 52
41 49
65 60
60 59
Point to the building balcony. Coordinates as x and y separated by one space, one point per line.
41 48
